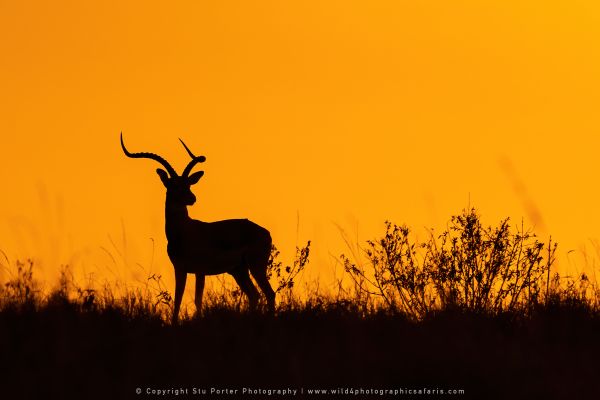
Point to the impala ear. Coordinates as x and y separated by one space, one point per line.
195 177
164 177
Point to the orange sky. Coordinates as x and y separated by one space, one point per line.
341 112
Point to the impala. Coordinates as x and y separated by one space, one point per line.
235 246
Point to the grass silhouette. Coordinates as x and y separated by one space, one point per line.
475 308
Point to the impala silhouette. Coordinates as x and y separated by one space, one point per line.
235 246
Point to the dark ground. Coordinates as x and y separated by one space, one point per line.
60 352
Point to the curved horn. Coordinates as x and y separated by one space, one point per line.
151 156
195 160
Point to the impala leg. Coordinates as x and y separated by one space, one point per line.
199 292
180 278
260 276
242 277
258 262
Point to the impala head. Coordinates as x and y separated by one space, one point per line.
178 187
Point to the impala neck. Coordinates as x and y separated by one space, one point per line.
176 215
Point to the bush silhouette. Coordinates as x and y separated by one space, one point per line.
468 267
